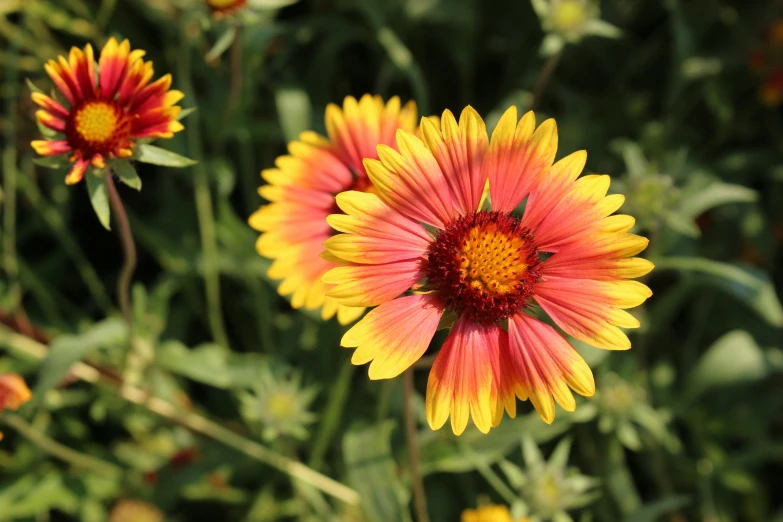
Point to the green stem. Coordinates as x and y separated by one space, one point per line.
206 218
58 450
543 78
128 251
419 495
332 413
196 423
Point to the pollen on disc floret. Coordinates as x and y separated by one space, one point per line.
483 266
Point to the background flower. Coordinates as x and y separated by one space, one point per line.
302 189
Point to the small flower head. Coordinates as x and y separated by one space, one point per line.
135 511
425 245
280 405
489 513
105 107
625 410
223 8
550 488
767 62
771 90
568 21
13 393
302 188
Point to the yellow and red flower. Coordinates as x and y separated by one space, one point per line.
13 393
104 111
489 513
566 254
135 511
221 8
302 191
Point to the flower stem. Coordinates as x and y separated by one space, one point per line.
128 252
194 422
543 78
419 496
58 450
204 210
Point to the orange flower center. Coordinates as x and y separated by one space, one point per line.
97 127
96 122
225 5
483 266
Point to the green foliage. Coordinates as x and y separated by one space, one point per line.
223 403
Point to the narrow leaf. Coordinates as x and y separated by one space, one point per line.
372 471
99 197
221 45
733 359
752 287
146 153
67 349
184 113
716 195
293 108
32 86
52 162
127 173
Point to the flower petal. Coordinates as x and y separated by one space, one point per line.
375 233
50 147
601 257
76 173
50 121
459 151
83 65
394 335
461 380
411 182
546 366
591 311
518 158
359 127
114 63
370 285
578 211
49 104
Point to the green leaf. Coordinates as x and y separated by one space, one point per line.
372 472
654 511
68 349
598 27
222 44
753 288
146 153
210 364
715 195
733 359
184 113
53 162
443 453
32 86
293 108
271 4
45 131
99 197
127 173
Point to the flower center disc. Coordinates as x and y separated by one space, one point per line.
97 127
483 266
225 4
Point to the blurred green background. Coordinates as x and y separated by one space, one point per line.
676 99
